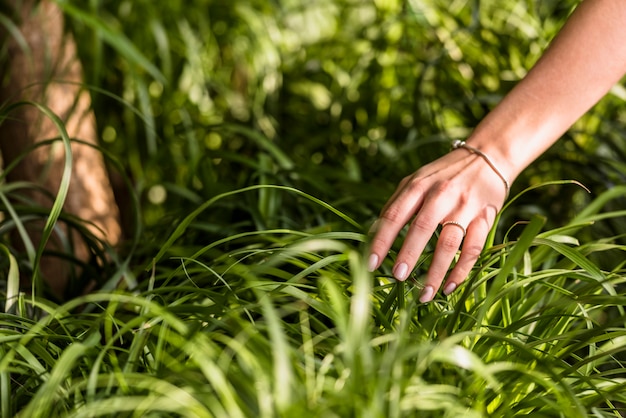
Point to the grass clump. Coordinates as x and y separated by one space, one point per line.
259 151
283 323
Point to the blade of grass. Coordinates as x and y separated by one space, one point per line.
575 256
21 229
184 224
46 394
512 259
61 195
5 390
492 234
283 373
116 39
283 160
13 280
17 36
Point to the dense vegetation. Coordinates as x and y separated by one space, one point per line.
259 141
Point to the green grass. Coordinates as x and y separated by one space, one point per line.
290 323
270 147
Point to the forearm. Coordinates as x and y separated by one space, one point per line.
460 192
584 61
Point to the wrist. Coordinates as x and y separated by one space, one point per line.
511 142
487 160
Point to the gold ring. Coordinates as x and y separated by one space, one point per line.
455 224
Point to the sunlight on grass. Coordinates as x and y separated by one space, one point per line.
257 142
265 339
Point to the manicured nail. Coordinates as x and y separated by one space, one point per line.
450 287
372 263
427 294
401 271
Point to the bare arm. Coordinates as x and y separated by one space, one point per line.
583 62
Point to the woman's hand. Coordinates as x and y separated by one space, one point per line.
459 191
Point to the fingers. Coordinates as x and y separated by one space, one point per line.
450 239
472 248
406 202
454 236
420 231
447 247
458 192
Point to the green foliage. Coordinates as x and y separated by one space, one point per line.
262 138
288 323
350 91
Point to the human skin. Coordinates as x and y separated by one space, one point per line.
48 71
584 61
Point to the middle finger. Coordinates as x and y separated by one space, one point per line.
420 232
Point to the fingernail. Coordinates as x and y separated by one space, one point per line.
450 287
372 263
427 294
401 271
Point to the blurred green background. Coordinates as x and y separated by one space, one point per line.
339 98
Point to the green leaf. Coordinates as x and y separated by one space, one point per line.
516 254
114 38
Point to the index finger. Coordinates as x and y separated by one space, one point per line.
396 214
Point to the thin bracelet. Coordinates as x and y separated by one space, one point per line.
461 144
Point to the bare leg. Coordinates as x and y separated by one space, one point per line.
49 74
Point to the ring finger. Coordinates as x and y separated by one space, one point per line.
450 238
472 248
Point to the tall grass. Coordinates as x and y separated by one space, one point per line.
290 323
260 151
